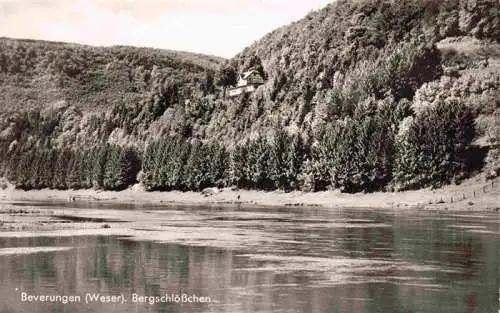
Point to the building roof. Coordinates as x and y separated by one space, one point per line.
251 77
247 74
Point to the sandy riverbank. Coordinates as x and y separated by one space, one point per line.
29 218
472 195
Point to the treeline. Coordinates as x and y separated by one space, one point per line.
381 147
264 162
34 56
435 146
106 166
385 147
176 163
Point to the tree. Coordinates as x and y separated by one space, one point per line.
122 166
3 62
254 62
433 147
99 157
238 165
208 83
226 76
276 165
61 169
75 174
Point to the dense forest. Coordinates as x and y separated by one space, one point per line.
362 95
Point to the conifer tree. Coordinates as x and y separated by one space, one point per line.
61 169
100 155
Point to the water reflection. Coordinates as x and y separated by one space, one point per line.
302 261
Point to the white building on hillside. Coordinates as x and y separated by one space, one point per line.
247 82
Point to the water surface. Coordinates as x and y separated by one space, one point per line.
261 260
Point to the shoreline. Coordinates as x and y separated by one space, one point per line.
94 212
472 195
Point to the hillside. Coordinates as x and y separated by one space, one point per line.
39 76
361 95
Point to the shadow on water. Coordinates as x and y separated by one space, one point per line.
349 261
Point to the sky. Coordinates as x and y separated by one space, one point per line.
217 27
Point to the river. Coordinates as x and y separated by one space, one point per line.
251 259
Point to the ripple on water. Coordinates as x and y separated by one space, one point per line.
342 270
467 226
31 250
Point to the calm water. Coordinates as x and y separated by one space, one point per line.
264 260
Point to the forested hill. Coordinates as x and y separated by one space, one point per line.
361 95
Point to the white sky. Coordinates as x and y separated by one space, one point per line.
219 27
